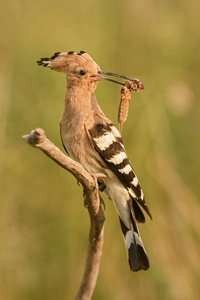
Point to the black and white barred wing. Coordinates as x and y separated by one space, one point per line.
107 141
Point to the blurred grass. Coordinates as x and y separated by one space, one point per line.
43 224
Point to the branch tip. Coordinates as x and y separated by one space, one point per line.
36 136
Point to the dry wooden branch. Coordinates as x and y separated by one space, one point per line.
38 139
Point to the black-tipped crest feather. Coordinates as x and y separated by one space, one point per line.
55 55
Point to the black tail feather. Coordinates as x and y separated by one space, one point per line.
137 257
138 212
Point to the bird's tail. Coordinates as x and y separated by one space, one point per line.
137 257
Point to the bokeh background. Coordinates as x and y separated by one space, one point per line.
43 223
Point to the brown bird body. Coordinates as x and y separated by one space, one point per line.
90 138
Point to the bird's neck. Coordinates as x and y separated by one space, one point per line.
80 101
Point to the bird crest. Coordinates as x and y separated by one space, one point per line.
66 61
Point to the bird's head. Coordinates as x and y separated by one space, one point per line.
80 69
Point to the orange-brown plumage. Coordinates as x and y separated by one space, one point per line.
91 138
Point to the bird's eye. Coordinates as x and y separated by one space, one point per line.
82 72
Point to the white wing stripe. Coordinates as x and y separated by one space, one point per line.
142 195
131 192
118 158
115 132
126 170
105 141
134 181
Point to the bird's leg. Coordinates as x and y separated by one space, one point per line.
101 185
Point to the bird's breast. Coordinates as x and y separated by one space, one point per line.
77 144
73 141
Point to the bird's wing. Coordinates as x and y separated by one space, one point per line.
107 141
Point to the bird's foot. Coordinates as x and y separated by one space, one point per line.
102 186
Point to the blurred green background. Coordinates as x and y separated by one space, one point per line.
43 223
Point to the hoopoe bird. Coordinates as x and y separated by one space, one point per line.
91 139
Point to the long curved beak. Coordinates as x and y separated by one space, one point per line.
99 77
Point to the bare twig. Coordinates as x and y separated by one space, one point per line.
38 139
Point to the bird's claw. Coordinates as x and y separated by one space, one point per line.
102 186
